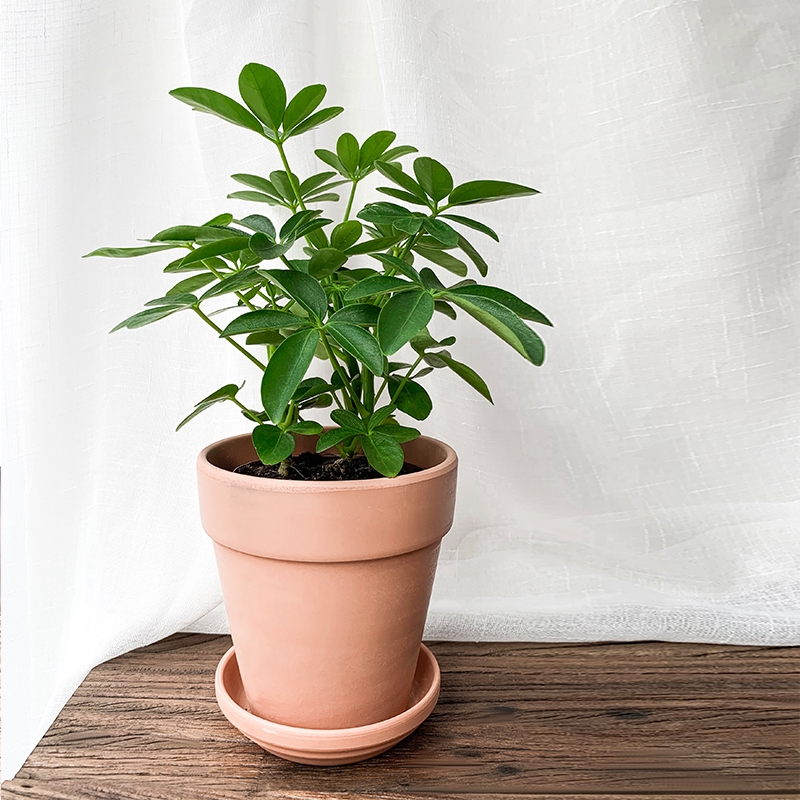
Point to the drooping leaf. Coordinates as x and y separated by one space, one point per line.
359 343
325 262
398 265
376 285
487 192
468 374
315 120
413 399
303 289
146 317
474 224
473 255
272 444
227 392
220 105
302 105
262 320
383 453
507 299
346 234
286 369
445 308
433 177
443 259
396 175
374 146
263 91
129 252
405 315
504 323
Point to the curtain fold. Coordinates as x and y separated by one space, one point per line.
642 484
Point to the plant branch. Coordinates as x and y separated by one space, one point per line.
236 344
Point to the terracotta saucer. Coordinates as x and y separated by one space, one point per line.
327 747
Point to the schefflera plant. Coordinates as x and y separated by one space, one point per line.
353 294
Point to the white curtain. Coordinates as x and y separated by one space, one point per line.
642 484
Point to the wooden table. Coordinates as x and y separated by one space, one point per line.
592 721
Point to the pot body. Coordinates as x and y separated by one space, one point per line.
326 584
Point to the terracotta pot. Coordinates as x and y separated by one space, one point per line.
326 584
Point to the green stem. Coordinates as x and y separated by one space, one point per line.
352 398
350 200
403 381
236 344
295 186
219 277
247 411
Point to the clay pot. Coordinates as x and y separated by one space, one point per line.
326 584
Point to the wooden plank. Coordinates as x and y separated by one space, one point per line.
609 720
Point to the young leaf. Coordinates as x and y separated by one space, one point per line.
468 374
262 320
433 177
227 392
374 146
487 192
302 105
504 323
272 444
263 91
413 399
129 252
474 224
346 234
146 317
510 301
314 121
358 343
405 315
347 150
219 105
303 289
383 453
376 285
286 369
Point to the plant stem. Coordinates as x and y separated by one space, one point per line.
236 344
350 200
353 399
289 175
246 411
219 277
403 381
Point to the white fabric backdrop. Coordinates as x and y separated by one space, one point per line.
642 484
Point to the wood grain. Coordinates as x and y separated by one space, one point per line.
600 721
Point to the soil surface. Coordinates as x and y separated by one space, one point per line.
318 467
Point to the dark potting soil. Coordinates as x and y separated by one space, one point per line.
318 467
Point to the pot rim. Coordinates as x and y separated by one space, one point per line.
252 482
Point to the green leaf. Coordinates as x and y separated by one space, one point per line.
383 453
220 220
358 343
443 259
374 146
261 224
473 255
233 244
303 289
399 433
280 179
383 213
474 224
306 428
315 120
265 337
401 195
272 444
433 177
302 105
256 197
227 392
130 252
445 308
263 91
332 160
309 185
234 283
184 300
146 317
310 387
193 233
403 267
376 285
486 192
373 245
429 279
328 197
332 437
347 419
442 232
510 301
468 374
262 245
286 369
396 175
262 320
379 416
346 234
398 152
411 224
257 182
292 226
347 151
405 315
503 323
192 284
358 314
325 262
413 399
219 105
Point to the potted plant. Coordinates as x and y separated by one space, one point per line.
327 537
